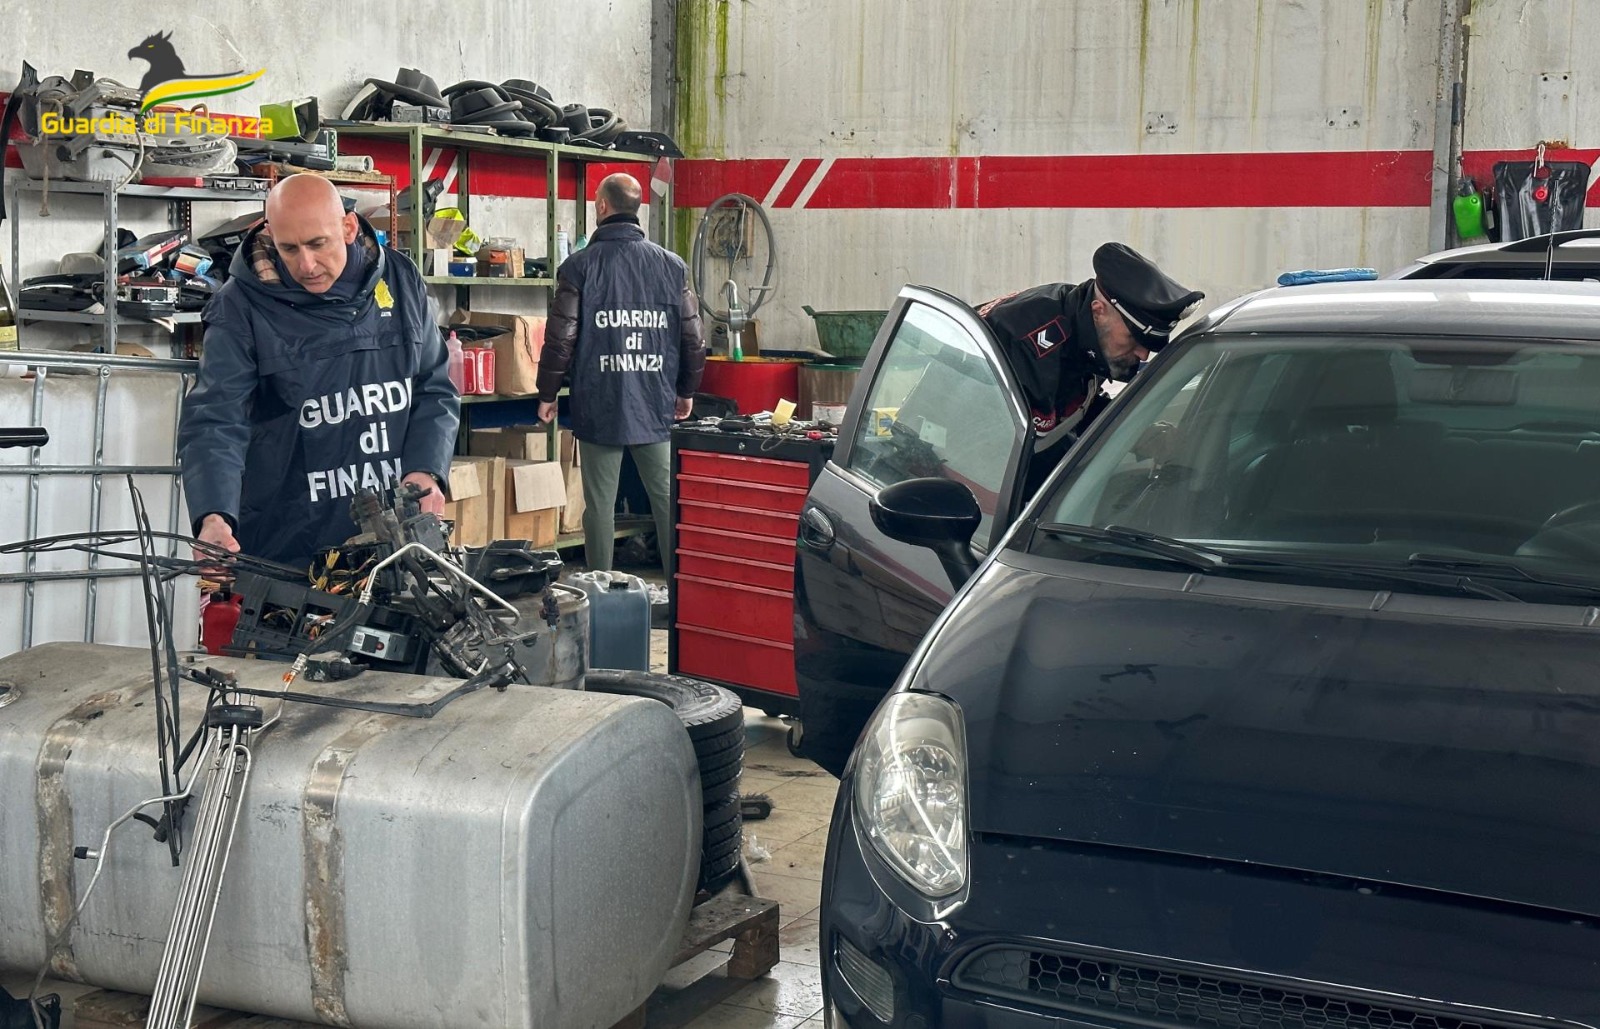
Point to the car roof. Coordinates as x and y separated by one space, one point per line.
1576 245
1434 307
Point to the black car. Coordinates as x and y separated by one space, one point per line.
1277 706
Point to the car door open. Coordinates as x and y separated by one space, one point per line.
934 400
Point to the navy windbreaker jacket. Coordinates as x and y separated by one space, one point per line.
302 400
624 323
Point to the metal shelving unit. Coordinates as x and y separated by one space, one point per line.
178 200
551 156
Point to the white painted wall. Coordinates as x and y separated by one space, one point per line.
978 78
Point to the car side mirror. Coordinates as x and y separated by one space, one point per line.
939 514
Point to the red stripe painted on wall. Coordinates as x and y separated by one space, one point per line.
708 180
896 182
1387 178
803 174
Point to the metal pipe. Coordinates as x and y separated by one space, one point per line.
108 191
92 589
1448 86
65 359
31 562
17 578
86 469
171 587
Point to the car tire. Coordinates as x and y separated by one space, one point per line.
722 843
707 711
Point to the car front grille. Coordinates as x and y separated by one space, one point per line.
1196 997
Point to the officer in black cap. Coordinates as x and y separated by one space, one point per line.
1064 340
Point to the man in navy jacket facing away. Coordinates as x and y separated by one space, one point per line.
323 374
625 323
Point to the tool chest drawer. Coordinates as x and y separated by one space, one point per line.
745 469
752 522
736 571
726 543
727 657
746 610
760 496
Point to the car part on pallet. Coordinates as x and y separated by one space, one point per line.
537 104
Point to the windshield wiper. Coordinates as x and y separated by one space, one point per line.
1190 555
1205 559
1504 570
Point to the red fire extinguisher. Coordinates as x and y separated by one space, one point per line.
218 617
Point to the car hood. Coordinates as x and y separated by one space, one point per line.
1443 744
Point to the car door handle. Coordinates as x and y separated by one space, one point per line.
816 529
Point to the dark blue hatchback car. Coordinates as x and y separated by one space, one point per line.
1278 706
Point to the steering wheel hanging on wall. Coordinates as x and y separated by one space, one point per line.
733 240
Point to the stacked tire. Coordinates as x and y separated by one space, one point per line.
714 719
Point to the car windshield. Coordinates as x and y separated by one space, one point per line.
1406 463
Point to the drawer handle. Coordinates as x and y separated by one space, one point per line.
816 529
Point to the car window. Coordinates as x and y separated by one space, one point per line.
937 408
1365 450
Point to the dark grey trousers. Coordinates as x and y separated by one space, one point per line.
601 469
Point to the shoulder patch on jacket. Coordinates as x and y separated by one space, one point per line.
1048 336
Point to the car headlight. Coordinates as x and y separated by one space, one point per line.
911 790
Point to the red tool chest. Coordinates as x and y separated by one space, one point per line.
736 499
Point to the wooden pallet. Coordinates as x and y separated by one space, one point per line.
750 922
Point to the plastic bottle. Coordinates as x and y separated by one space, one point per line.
457 363
484 365
583 241
218 618
563 248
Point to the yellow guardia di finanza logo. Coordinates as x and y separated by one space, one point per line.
167 82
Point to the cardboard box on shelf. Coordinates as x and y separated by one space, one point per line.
517 442
572 475
531 443
469 505
500 262
535 492
516 353
492 476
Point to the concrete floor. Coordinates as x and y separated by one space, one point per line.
785 852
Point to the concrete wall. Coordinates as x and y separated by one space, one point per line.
986 145
597 53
